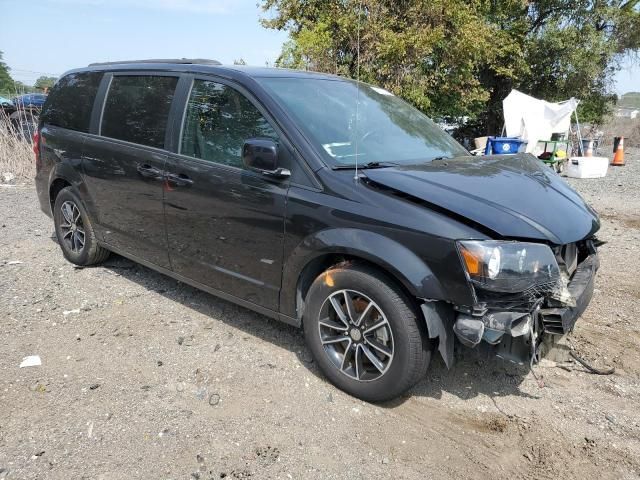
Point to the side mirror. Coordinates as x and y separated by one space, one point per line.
261 155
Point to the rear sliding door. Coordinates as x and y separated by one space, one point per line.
124 164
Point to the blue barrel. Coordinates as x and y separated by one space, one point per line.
502 145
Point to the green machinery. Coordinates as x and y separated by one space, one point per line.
555 153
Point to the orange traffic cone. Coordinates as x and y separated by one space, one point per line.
618 150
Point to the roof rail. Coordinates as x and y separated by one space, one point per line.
183 61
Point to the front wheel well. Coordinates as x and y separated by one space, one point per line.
55 188
325 262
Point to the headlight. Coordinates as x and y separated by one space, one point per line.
510 267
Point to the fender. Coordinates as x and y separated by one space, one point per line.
396 259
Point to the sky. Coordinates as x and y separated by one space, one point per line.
628 78
67 34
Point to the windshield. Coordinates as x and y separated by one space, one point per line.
388 130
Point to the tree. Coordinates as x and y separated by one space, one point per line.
454 58
6 82
406 47
20 88
45 82
239 61
572 49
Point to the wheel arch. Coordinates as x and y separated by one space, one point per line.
55 188
64 175
331 247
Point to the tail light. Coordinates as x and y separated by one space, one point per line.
36 146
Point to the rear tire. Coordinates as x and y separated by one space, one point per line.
373 364
74 230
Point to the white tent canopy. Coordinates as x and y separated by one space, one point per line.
533 120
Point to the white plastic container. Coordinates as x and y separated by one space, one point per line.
587 167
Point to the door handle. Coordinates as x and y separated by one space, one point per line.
149 171
179 179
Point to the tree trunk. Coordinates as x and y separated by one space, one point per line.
494 118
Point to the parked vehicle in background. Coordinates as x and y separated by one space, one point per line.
326 203
6 107
30 101
23 112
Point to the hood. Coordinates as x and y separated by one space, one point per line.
516 196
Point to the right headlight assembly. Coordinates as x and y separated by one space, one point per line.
507 266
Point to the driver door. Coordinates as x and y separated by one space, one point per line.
225 224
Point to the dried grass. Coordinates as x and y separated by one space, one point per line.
16 153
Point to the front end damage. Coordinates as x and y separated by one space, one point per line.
517 323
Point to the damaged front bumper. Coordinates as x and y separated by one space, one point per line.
559 319
514 329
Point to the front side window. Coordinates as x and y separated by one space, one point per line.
70 102
137 109
217 122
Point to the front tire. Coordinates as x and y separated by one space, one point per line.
365 334
74 230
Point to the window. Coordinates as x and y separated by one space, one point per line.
217 122
344 119
137 109
70 102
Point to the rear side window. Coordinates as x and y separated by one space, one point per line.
217 122
70 102
137 109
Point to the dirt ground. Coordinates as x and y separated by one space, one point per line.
143 377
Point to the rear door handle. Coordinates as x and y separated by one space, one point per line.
149 171
179 179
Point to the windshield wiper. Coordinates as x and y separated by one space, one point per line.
365 166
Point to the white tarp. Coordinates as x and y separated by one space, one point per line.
533 120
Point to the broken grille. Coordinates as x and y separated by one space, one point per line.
522 301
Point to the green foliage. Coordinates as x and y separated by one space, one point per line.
454 58
8 86
44 82
6 82
20 88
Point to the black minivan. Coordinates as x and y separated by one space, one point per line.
325 203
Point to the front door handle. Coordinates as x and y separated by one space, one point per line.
179 179
149 171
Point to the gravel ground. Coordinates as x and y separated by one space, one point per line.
144 377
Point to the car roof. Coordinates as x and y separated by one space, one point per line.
273 72
204 66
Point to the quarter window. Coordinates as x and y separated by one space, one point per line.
70 102
137 109
217 122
